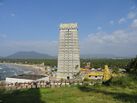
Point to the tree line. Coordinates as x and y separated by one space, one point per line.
95 63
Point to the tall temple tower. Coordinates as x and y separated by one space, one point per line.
69 54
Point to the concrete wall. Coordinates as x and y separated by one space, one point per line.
14 80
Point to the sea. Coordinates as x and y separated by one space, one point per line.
9 70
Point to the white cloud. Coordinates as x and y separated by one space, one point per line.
3 36
49 47
111 22
12 14
99 28
119 42
134 24
131 15
1 4
122 20
133 7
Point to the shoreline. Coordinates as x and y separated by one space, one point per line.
33 67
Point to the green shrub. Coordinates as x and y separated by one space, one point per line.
124 81
107 83
86 79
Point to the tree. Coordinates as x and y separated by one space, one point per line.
132 66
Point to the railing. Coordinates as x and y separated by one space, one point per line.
39 84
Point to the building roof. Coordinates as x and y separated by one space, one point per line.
28 76
68 25
96 73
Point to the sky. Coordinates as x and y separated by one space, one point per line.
105 26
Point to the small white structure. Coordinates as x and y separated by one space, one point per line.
26 78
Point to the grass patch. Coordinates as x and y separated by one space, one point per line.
80 94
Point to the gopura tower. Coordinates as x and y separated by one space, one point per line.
69 54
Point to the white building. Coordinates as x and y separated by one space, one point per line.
26 78
68 56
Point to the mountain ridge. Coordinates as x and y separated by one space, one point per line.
37 55
29 55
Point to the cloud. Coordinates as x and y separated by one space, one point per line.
1 4
122 20
99 28
111 22
49 47
132 15
133 7
3 36
134 24
13 14
119 42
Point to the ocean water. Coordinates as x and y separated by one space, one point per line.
8 70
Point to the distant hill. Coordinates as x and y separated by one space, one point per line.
97 56
1 57
29 55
